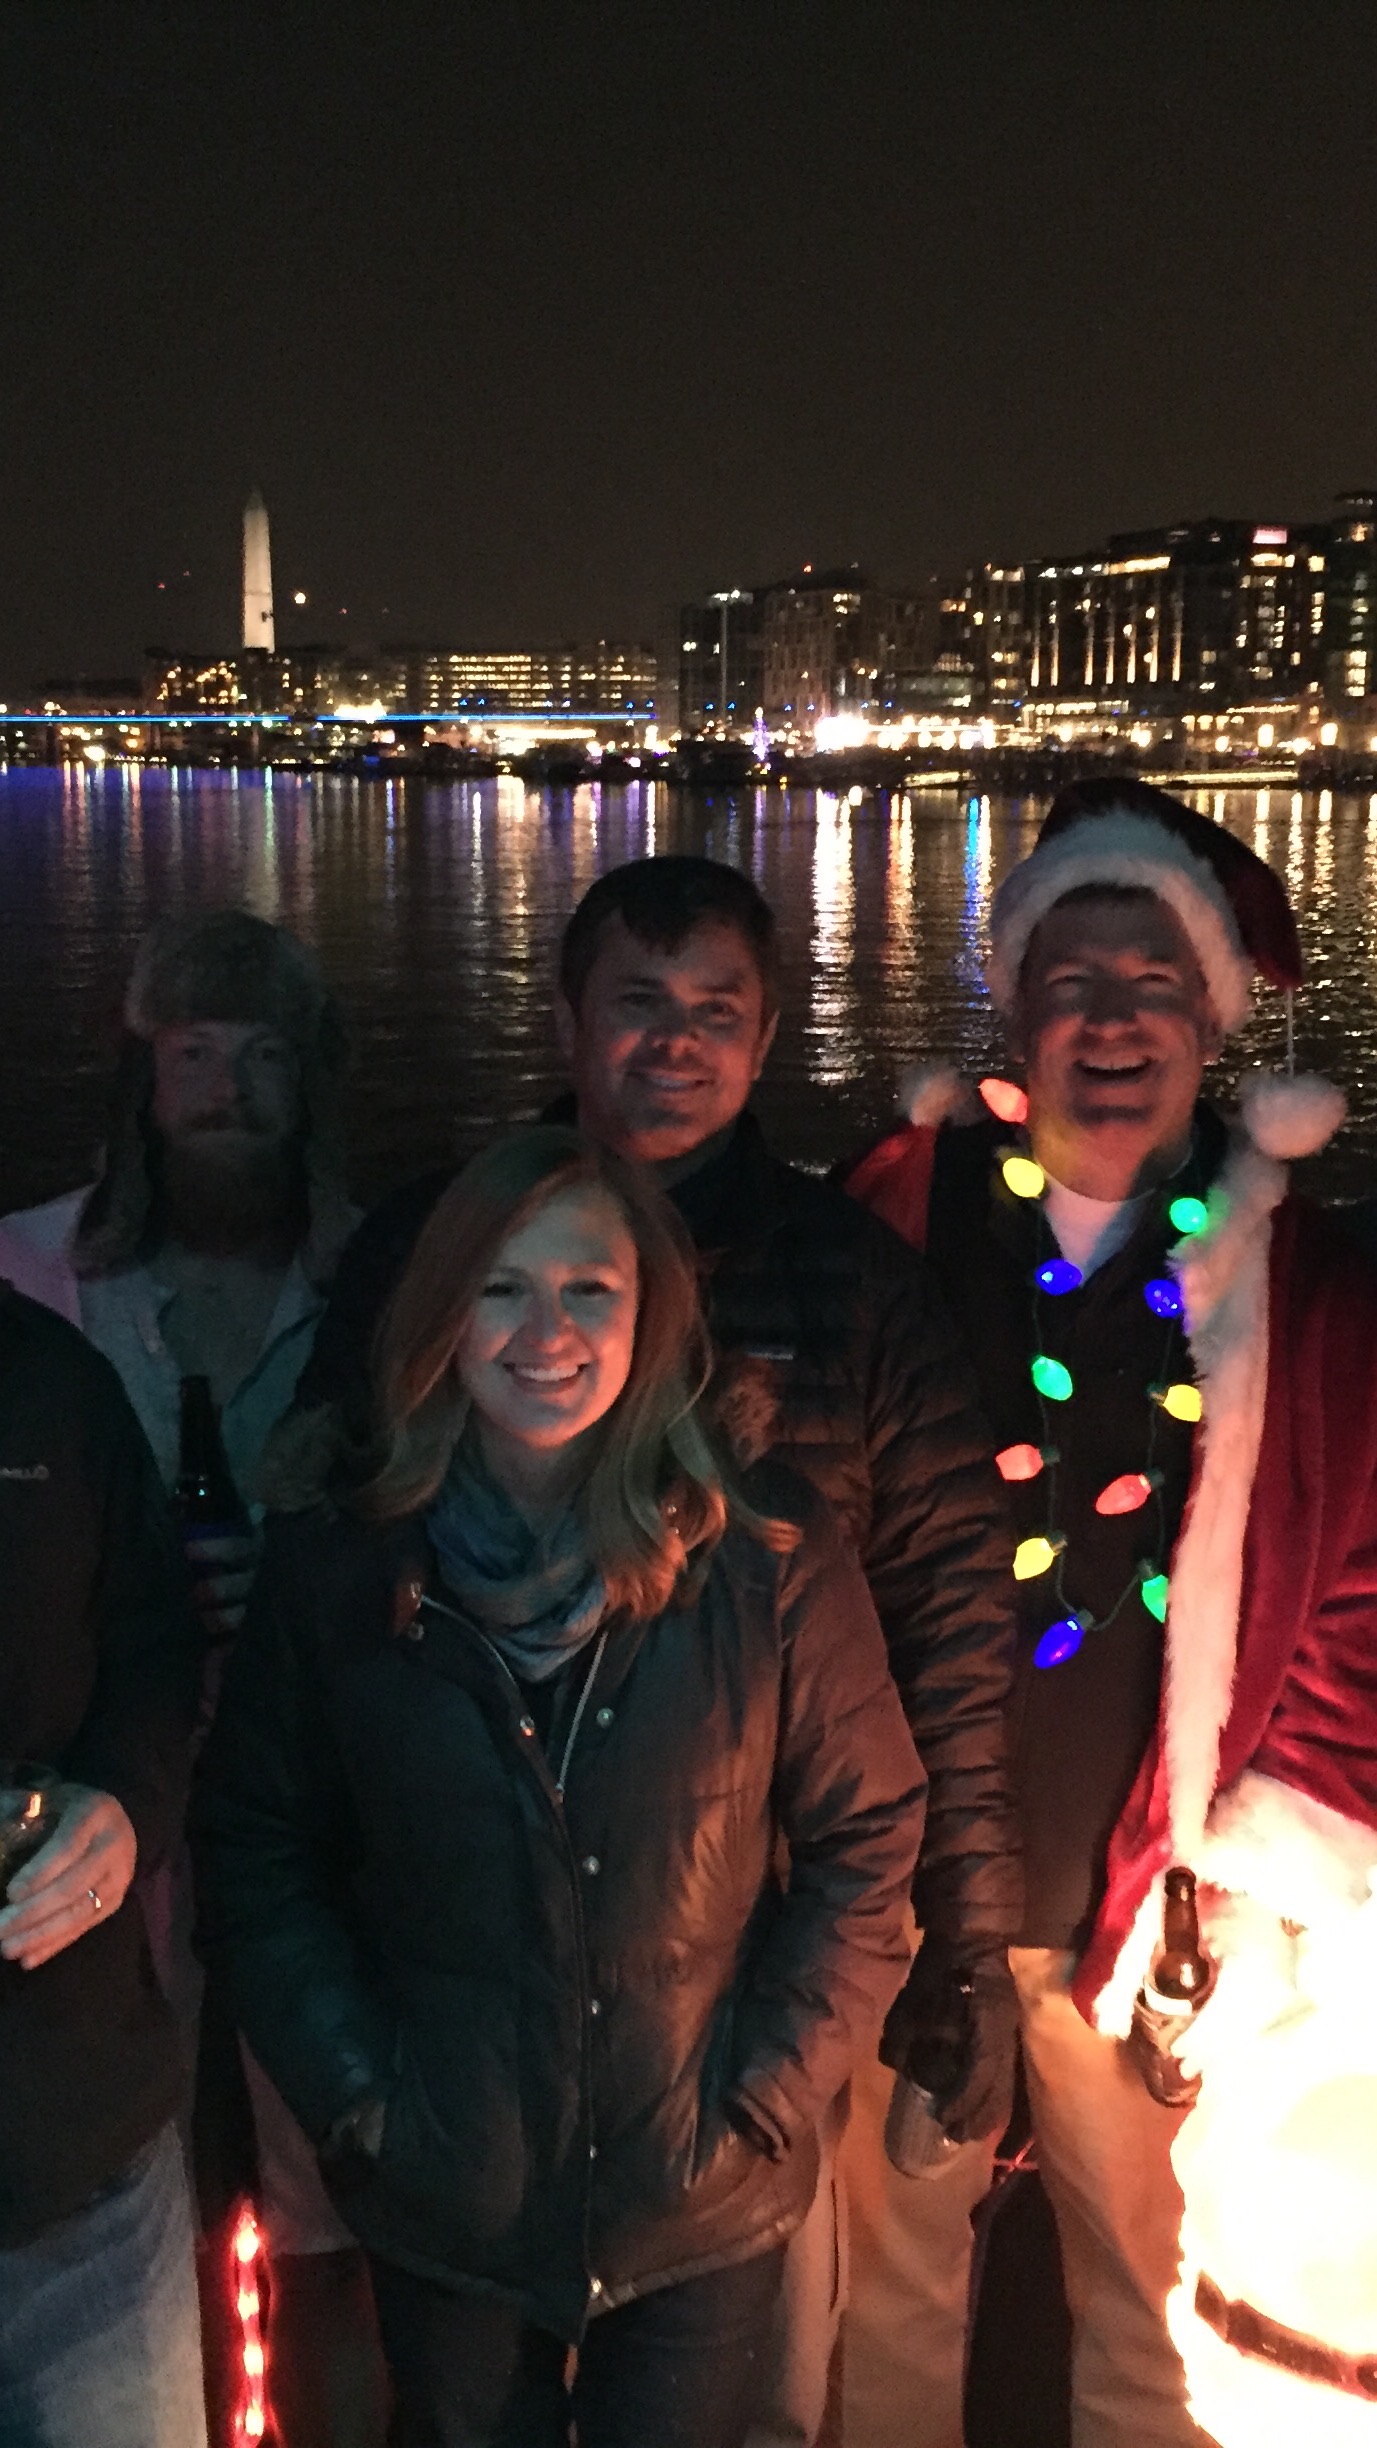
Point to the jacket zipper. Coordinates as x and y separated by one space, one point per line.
437 1607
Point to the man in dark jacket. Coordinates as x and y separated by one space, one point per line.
833 1348
99 2339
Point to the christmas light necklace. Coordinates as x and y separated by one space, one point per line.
1053 1277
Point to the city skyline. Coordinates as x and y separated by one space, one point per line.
1199 616
536 324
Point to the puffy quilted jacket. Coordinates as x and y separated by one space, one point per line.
559 1994
836 1352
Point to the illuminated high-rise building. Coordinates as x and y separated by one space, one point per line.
258 576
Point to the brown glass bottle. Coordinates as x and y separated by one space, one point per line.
1182 1976
208 1502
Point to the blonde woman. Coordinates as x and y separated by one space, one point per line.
493 1818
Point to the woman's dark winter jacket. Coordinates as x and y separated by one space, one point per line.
836 1351
562 1998
98 1665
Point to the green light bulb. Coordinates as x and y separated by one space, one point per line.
1154 1594
1189 1215
1052 1379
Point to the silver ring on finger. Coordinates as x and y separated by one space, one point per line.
95 1899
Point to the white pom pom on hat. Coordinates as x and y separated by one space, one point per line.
933 1092
1287 1115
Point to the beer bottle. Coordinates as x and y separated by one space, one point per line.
208 1502
1182 1976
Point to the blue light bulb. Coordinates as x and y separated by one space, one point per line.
1058 1275
1061 1640
1163 1297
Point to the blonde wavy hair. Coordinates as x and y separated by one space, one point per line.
656 1499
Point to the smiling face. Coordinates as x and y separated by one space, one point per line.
1115 1028
548 1345
665 1046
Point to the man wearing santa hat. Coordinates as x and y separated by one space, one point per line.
1178 1358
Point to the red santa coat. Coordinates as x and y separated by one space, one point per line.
1262 1771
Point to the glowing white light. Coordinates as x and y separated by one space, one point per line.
1278 2165
1329 733
832 732
362 713
300 596
1265 735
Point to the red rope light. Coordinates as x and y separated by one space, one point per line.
246 2255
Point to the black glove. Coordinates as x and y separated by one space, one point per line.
954 2031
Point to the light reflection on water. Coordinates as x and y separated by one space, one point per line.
436 909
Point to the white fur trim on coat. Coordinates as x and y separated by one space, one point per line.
1302 1860
1124 849
1223 1272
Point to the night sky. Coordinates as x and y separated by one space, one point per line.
532 320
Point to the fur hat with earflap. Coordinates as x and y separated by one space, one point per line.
221 965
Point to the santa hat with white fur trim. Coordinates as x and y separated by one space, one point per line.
1232 906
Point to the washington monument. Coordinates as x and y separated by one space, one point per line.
258 575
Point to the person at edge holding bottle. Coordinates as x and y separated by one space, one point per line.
1177 1356
99 2334
198 1263
488 1821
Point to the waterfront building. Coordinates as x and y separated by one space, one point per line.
722 661
817 651
302 680
1211 612
605 678
821 646
1348 622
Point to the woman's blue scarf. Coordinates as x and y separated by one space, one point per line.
536 1593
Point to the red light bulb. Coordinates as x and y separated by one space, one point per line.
1126 1494
1005 1099
1019 1462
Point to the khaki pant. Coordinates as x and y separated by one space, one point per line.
1103 2148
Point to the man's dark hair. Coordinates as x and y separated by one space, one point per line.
660 901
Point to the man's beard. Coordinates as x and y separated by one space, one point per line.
247 1198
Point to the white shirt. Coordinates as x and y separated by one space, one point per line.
121 1314
1089 1231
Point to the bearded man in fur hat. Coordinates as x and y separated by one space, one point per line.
1177 1357
205 1248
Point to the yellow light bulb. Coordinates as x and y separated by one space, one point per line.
1025 1178
1182 1401
1033 1556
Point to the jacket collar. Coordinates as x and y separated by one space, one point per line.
729 1203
